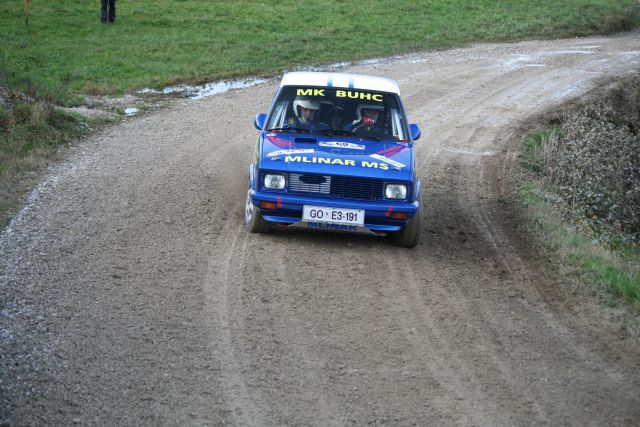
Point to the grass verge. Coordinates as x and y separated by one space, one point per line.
30 131
612 273
582 190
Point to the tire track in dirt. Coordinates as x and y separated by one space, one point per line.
218 291
483 408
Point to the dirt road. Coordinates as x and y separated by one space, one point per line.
131 293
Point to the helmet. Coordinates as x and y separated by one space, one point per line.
304 103
361 107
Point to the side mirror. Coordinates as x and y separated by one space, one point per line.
258 122
414 129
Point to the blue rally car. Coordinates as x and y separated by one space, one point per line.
335 152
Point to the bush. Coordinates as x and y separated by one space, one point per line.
592 161
31 126
5 119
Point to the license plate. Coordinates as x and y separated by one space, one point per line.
333 215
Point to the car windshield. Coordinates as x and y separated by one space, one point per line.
339 112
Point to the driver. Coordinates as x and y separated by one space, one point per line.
367 119
306 112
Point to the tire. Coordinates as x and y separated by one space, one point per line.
253 219
409 236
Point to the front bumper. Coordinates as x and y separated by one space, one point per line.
378 218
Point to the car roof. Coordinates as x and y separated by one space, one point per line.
341 80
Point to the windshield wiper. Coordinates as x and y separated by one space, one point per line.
288 129
332 132
341 132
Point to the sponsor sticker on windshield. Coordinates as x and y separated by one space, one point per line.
296 151
341 144
388 160
351 94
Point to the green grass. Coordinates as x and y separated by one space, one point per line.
34 126
29 135
533 144
612 270
156 43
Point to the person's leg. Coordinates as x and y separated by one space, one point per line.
112 10
103 12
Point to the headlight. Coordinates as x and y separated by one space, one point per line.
395 191
274 181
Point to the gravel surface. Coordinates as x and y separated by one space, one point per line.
132 295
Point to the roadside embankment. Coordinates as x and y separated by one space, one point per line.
582 190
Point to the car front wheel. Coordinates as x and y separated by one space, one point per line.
409 236
253 219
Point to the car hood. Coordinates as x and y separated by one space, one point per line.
337 155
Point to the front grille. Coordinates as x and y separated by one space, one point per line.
344 187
